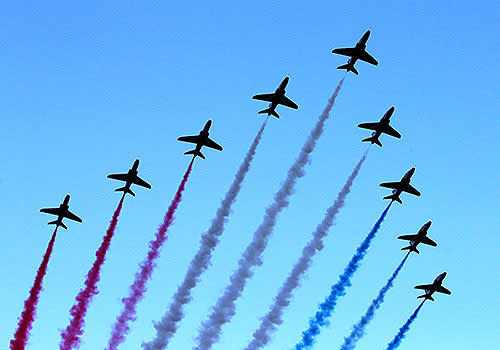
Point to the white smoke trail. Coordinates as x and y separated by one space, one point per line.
166 328
273 318
224 309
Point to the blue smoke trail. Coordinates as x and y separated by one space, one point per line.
359 328
326 308
402 331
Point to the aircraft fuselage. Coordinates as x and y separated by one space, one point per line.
203 135
422 233
407 177
359 48
64 208
278 94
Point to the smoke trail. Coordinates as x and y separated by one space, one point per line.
326 308
402 331
273 318
70 337
359 328
166 328
28 315
138 288
224 309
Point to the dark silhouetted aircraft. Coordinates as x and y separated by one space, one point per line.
401 186
434 287
130 178
62 212
201 140
420 237
356 53
380 127
276 98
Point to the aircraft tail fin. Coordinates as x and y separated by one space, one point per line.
58 223
427 297
373 140
394 198
348 67
195 153
411 249
125 190
270 111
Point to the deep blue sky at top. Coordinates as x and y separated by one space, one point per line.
87 88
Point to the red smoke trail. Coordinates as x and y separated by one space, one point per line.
138 288
71 335
30 304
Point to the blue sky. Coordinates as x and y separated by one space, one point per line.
87 88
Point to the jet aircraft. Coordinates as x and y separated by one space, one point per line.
356 53
201 140
380 127
276 98
434 287
420 237
401 186
62 212
130 178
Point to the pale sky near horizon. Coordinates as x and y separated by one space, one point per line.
87 88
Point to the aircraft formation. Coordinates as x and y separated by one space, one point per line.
71 335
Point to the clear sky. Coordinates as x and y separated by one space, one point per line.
87 88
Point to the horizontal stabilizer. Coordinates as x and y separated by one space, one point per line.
195 153
270 111
411 249
349 68
426 297
125 190
394 198
58 223
373 140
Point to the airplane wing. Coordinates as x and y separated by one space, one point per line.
424 286
71 216
412 190
429 241
394 185
348 51
121 177
138 181
190 139
264 97
443 290
212 144
285 101
365 56
389 130
53 211
369 126
408 237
